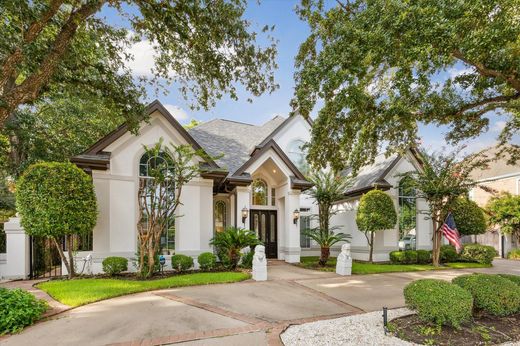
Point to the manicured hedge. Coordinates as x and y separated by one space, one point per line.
403 257
514 254
424 256
479 253
18 308
115 265
439 302
510 277
181 263
207 261
492 294
449 254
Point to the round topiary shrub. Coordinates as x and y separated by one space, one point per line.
510 277
207 261
479 253
115 265
424 256
514 254
181 263
449 254
18 308
439 302
397 257
491 293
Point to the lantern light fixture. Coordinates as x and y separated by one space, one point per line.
296 215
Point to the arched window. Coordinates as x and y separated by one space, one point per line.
407 213
147 164
220 216
298 155
259 192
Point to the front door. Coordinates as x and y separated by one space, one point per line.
263 222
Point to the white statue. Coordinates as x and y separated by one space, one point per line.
344 261
259 264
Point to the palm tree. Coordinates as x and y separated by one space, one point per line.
229 243
327 190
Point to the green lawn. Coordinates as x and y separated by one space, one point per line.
311 262
83 291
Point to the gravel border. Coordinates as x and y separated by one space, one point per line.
363 329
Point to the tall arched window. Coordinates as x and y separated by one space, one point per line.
220 216
146 164
259 192
407 212
298 155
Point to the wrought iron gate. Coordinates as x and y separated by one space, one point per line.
44 258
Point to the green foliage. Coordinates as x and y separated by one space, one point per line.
181 263
229 243
439 302
491 293
18 309
504 211
510 277
479 253
56 199
468 216
378 68
404 257
247 260
207 261
114 265
448 254
424 256
514 254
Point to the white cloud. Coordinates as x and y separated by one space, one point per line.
455 72
177 112
499 126
143 58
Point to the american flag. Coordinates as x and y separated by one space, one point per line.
449 229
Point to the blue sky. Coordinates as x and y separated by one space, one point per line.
290 33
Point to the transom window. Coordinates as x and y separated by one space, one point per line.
298 155
146 164
259 192
407 209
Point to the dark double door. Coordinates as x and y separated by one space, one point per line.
263 222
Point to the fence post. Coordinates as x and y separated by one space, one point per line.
17 264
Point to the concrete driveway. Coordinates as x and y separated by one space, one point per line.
251 313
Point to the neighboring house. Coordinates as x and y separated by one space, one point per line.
497 178
256 181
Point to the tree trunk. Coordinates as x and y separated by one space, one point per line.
325 253
437 238
62 255
371 247
70 246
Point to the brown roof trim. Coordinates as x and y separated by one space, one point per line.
122 129
271 144
239 180
98 162
299 184
381 185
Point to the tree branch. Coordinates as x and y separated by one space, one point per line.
496 99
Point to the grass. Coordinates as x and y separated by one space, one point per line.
311 262
84 291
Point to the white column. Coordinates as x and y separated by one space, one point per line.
243 200
292 231
17 264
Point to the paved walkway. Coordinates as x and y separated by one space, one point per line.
252 313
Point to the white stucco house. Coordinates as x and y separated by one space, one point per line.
257 182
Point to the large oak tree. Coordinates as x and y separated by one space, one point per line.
378 68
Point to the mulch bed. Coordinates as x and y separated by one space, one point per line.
485 330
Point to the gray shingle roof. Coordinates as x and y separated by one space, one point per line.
371 175
232 140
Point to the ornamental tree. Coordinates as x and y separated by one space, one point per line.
378 68
504 211
376 212
57 200
468 216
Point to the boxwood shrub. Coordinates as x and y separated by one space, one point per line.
449 254
514 254
510 277
115 265
18 308
207 261
492 294
181 263
479 253
424 256
439 302
403 257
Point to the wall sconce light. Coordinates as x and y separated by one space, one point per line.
245 213
296 215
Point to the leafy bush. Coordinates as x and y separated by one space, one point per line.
439 302
18 309
115 265
403 257
514 254
247 260
207 261
479 253
181 263
468 216
449 254
491 293
424 256
510 277
229 243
